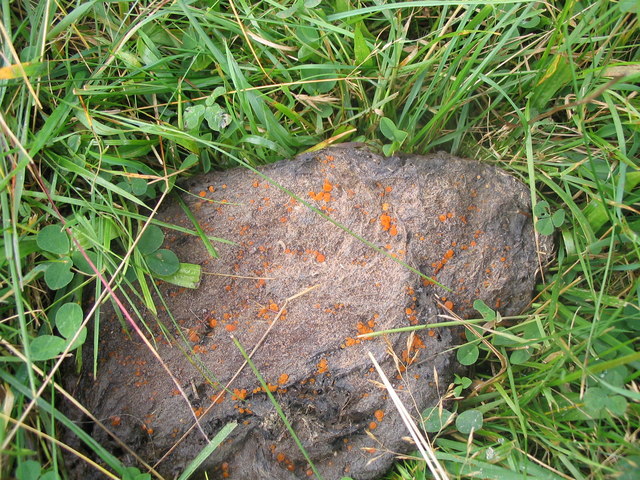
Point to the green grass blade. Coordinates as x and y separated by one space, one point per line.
208 450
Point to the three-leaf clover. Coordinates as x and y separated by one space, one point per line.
216 117
547 222
54 239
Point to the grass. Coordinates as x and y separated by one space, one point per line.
105 105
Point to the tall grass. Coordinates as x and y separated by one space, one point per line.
104 105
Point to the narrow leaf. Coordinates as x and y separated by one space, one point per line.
208 450
361 50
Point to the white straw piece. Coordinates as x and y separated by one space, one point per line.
421 442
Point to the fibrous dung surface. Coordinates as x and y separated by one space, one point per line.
317 284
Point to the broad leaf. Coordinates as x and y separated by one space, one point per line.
468 421
163 262
435 419
69 319
520 356
81 263
54 239
28 470
188 275
484 310
151 240
468 354
46 347
58 274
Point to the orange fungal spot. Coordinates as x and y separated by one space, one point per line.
218 398
239 394
364 329
385 221
193 336
322 366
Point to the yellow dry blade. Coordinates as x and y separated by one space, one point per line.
13 71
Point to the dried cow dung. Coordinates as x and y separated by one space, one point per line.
463 223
